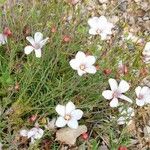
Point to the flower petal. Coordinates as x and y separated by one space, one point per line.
91 69
125 98
123 86
60 109
69 107
74 64
147 47
24 132
32 132
93 31
38 53
146 53
80 56
114 102
38 37
147 98
107 94
80 72
73 124
102 19
103 36
140 102
77 114
146 59
113 84
105 25
137 90
144 90
28 50
60 122
30 39
90 60
39 133
93 22
43 42
109 28
3 39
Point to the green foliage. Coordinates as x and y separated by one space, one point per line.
2 1
116 142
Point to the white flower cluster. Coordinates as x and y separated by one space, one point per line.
117 92
83 64
69 116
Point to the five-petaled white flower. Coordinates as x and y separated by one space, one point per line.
83 63
143 95
69 115
126 116
34 133
36 44
100 26
3 39
116 92
146 53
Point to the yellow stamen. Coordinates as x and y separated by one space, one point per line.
82 67
67 117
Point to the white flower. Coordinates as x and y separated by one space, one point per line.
116 92
69 115
24 132
126 116
100 26
146 53
146 59
3 39
34 133
83 63
143 95
36 44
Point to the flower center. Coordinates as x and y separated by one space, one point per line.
67 117
37 46
82 67
140 97
116 94
98 31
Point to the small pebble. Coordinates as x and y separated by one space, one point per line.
146 18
